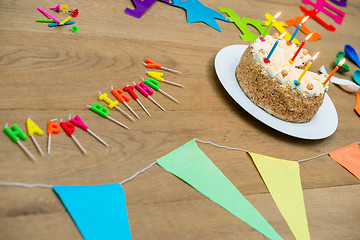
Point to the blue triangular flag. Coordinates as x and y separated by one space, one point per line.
99 211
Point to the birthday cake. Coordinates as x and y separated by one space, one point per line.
271 85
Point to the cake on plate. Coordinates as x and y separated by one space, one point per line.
271 85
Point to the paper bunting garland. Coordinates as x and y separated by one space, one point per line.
141 6
191 165
197 12
282 178
349 158
242 24
99 211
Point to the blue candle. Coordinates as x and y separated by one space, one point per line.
273 48
298 27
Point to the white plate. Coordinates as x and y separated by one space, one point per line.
323 124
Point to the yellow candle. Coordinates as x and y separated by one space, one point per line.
306 69
65 20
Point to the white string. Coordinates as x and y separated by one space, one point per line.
19 184
239 149
133 176
220 146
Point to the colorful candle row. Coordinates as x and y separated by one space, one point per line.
146 88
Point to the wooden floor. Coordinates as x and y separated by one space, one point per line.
50 73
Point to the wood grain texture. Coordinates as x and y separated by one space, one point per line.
50 73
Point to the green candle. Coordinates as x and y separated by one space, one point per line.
270 25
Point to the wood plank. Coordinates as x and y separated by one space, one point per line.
50 73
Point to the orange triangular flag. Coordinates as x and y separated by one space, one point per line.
349 158
357 106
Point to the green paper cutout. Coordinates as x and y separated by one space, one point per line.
345 67
191 165
242 23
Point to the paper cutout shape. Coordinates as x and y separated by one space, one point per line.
141 6
321 6
241 24
357 106
197 12
313 14
348 157
282 178
191 165
99 211
280 27
341 3
303 28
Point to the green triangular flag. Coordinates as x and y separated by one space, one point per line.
282 178
190 164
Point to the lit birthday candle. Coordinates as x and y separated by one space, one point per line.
158 76
69 129
130 90
32 129
300 47
146 91
267 59
262 38
104 112
120 95
111 104
298 27
297 82
79 123
334 71
14 134
156 86
53 127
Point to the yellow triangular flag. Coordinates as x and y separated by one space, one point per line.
282 178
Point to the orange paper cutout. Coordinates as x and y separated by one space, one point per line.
357 106
349 158
303 28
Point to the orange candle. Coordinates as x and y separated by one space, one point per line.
334 71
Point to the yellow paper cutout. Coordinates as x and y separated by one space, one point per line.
280 27
282 178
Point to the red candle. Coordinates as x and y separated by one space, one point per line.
300 47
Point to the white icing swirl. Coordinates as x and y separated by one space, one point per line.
280 61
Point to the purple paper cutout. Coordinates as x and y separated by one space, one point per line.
341 3
141 6
320 6
197 12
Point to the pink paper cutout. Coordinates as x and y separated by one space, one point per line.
349 158
320 6
313 14
303 28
